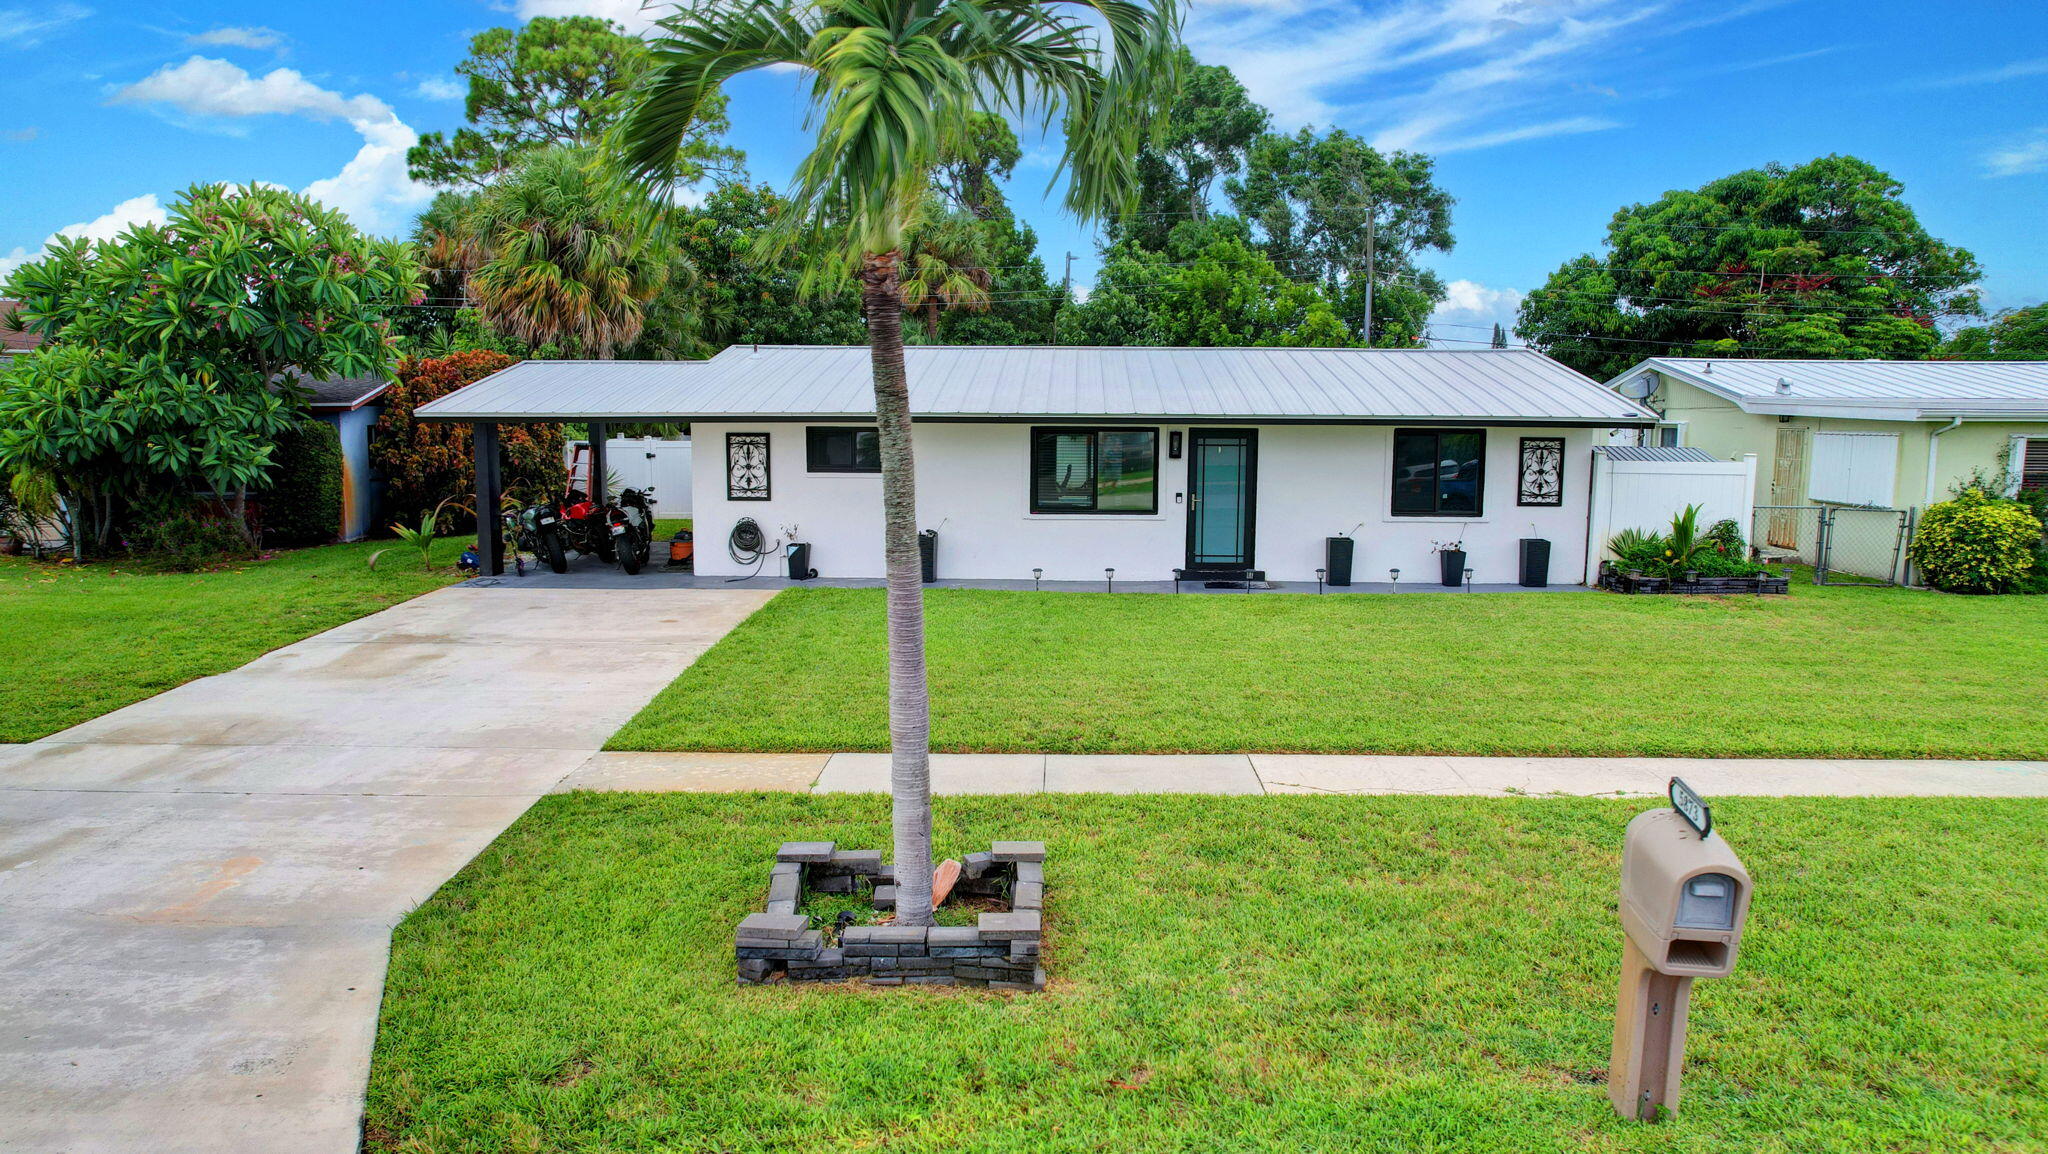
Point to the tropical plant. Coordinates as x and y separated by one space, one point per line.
1975 543
1685 543
421 538
945 266
166 348
420 460
894 83
561 256
1210 287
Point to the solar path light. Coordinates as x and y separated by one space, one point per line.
1684 899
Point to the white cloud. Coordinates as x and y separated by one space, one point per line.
21 135
636 16
372 188
144 209
255 36
25 27
2018 157
1436 75
440 88
1470 310
2017 70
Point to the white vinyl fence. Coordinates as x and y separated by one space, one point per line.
650 464
1644 487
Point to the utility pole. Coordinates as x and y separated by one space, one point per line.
1067 281
1371 227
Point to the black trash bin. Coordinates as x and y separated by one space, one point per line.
928 554
1535 562
799 553
1337 559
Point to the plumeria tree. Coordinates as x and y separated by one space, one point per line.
172 353
895 86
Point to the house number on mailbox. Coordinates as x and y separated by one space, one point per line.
1697 813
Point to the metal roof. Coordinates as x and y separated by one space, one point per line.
1056 382
1654 453
1876 390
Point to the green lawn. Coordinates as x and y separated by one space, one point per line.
83 641
1825 672
1228 974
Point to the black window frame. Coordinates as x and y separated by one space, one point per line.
1040 432
1436 510
813 434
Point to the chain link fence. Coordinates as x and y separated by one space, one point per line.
1844 545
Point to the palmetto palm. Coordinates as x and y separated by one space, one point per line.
557 255
945 266
894 85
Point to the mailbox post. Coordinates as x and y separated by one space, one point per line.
1684 899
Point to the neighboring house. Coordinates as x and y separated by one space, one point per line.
350 405
13 342
1891 434
1146 460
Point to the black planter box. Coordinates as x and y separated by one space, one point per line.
1454 567
1337 559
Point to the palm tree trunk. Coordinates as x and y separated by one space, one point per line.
910 776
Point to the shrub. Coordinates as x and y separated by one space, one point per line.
175 532
424 464
1719 552
303 504
1976 543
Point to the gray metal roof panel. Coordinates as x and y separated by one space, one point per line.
800 381
1903 389
1655 453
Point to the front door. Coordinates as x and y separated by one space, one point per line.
1788 465
1223 467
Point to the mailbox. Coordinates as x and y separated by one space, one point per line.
1684 899
1684 896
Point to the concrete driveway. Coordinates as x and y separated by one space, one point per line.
197 892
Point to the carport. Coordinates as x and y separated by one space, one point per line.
594 393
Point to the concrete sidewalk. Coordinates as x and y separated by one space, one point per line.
1269 773
197 891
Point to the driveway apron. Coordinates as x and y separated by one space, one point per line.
197 891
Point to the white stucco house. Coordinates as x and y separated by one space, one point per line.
1146 460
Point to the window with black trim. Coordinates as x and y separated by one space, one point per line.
1094 470
1439 472
833 449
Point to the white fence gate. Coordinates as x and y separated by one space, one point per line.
650 464
1643 487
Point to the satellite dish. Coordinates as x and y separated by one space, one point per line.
1638 388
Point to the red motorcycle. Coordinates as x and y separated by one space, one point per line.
621 532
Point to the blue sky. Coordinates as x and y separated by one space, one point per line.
1546 115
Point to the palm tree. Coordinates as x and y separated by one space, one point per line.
557 254
945 266
895 86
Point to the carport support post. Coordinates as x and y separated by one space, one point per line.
490 530
598 434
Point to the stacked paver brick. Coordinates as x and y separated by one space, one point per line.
999 952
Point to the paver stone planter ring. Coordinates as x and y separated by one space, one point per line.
1000 951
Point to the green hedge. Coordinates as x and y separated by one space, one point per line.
303 503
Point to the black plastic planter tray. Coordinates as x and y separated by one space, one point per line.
1630 583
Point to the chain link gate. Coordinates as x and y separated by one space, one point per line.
1845 545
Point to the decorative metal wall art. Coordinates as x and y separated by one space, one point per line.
1542 475
746 466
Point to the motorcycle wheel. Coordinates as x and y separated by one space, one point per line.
551 550
632 551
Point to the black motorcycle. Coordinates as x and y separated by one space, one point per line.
537 529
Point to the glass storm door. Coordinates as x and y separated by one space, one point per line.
1222 475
